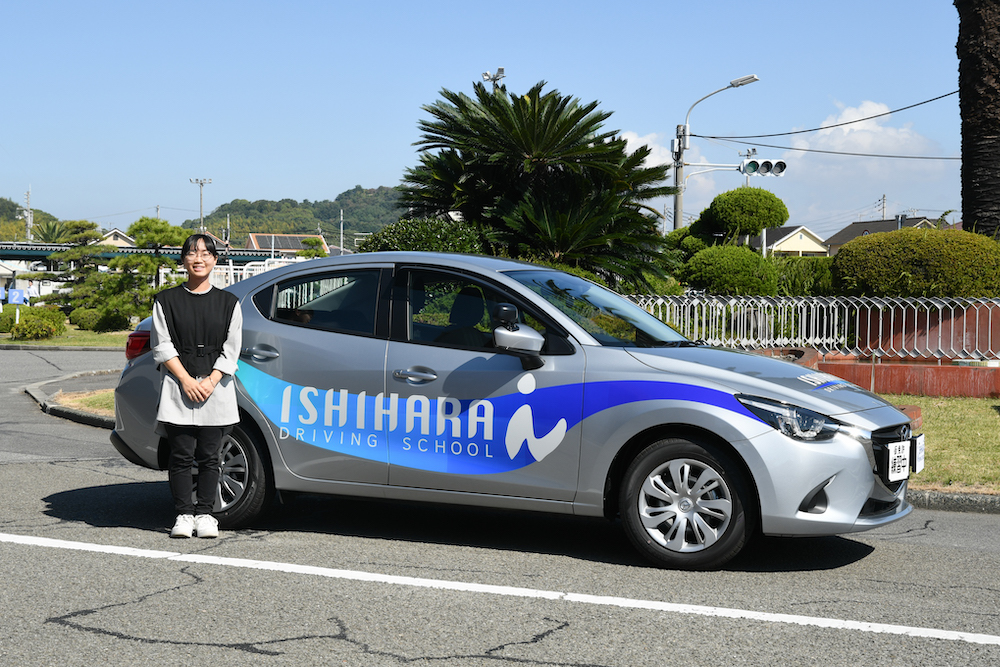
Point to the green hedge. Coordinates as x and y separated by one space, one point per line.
84 318
804 276
729 269
52 318
426 234
919 263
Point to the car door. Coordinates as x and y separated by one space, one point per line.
313 362
463 416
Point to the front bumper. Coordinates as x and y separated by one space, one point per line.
826 488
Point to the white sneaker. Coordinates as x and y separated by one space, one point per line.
183 526
206 525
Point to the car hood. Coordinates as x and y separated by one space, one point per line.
759 375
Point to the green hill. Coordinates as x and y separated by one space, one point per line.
365 211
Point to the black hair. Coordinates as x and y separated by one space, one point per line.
191 244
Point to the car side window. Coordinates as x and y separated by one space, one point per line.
450 310
344 301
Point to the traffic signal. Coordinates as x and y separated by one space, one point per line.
760 167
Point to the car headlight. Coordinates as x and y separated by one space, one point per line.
791 420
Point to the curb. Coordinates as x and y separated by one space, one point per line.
928 500
954 502
79 416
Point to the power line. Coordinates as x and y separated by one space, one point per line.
734 139
816 150
817 129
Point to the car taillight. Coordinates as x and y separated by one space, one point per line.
137 344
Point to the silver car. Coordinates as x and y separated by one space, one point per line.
483 381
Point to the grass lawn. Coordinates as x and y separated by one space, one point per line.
963 443
77 338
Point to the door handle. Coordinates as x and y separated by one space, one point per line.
415 375
260 353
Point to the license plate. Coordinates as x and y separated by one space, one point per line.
917 453
899 461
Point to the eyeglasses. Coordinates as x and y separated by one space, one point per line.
196 254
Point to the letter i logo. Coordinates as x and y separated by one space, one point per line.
521 428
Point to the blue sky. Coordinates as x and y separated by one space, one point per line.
111 107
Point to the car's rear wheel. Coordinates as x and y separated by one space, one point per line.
684 505
245 485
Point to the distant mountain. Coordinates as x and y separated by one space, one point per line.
365 211
12 229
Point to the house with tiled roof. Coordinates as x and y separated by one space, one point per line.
790 241
118 238
864 228
284 245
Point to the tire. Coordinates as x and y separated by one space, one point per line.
684 505
246 486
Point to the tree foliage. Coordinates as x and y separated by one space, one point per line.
313 249
730 269
741 212
12 228
151 234
539 177
425 234
920 263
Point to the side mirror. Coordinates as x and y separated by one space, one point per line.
517 339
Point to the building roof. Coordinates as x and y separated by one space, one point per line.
116 237
863 228
776 237
283 243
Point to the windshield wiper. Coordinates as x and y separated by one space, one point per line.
681 343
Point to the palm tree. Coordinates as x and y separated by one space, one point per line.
50 231
540 177
979 103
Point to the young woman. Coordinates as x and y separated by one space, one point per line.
196 338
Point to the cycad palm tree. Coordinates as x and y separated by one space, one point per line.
979 95
50 231
540 173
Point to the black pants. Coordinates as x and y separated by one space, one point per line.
190 445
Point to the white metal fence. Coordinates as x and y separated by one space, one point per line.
225 275
946 328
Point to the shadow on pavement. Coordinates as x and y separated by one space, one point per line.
147 506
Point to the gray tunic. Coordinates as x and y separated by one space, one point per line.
174 408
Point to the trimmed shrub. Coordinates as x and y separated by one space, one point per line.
728 269
919 263
744 211
33 328
84 318
111 321
52 316
804 276
426 234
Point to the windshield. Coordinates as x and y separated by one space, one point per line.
611 319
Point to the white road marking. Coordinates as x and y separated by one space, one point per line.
511 591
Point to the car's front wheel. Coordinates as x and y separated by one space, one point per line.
245 485
684 505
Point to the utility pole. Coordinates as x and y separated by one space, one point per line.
682 143
200 182
27 215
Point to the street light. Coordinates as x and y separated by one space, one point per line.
200 182
682 142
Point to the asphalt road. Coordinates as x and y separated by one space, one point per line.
90 576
